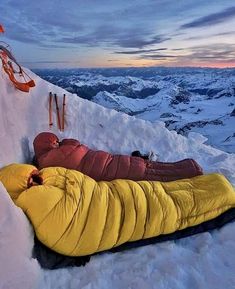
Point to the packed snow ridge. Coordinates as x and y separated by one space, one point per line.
201 261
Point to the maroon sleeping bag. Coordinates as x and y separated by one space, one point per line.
101 165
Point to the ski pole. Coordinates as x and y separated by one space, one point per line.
63 112
57 111
50 109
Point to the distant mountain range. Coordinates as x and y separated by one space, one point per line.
198 100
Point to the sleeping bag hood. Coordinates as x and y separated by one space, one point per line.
16 177
44 142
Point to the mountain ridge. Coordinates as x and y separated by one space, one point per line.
182 98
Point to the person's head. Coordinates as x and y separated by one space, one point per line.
35 179
45 142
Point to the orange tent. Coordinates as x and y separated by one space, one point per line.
1 28
7 63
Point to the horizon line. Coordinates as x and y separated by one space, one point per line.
137 67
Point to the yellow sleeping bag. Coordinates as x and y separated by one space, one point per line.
74 215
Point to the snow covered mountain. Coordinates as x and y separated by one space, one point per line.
186 99
203 261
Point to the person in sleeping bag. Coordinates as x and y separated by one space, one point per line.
74 215
101 165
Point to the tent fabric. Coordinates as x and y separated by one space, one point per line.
1 29
7 60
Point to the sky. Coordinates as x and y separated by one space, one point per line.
111 33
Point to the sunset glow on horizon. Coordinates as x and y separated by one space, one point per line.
107 33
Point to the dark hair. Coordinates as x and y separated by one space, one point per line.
37 179
138 154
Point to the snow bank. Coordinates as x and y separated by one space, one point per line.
203 261
17 269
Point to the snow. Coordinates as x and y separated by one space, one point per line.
186 99
125 104
202 261
17 269
196 262
89 79
198 109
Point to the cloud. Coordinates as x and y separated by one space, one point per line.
129 29
101 34
203 55
140 51
139 41
22 34
198 37
24 38
157 56
224 33
178 49
211 19
47 62
214 53
55 46
114 35
120 23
